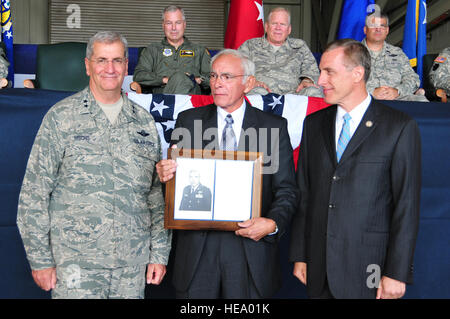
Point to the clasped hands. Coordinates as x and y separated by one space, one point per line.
303 84
385 93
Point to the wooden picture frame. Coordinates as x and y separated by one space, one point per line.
233 180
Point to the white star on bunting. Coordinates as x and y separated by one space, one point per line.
276 101
160 107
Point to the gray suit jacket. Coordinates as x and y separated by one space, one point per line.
362 212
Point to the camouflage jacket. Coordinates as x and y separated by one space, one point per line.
440 71
391 68
91 195
161 59
3 65
283 69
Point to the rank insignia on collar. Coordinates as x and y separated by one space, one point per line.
167 52
143 133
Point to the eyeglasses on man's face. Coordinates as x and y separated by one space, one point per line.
224 77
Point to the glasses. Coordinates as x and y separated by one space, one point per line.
105 62
224 77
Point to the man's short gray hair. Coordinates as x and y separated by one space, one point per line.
247 65
106 37
173 9
356 54
280 9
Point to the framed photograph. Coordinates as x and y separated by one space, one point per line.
213 189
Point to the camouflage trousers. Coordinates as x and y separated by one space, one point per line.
74 282
412 98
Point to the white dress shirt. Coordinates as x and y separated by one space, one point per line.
356 114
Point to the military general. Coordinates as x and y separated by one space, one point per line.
91 205
175 65
440 71
196 196
391 76
283 64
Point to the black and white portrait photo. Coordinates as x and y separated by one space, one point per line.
196 196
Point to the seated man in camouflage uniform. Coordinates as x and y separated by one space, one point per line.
283 65
3 69
440 71
391 75
91 209
175 65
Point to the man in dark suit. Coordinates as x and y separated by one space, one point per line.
195 196
245 263
359 177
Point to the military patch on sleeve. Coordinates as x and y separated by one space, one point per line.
440 59
187 53
167 52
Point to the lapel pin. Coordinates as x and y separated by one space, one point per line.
369 123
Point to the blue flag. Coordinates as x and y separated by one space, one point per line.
414 37
353 18
7 36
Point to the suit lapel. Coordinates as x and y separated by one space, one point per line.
364 129
249 120
328 131
209 124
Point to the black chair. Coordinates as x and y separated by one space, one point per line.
60 67
135 86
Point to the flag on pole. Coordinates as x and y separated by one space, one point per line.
353 18
7 36
414 36
245 21
165 109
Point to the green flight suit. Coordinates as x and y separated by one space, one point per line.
181 65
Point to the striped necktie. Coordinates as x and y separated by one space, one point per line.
228 138
344 137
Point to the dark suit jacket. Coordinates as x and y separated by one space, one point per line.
361 211
279 192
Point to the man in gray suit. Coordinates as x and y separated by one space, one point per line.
359 177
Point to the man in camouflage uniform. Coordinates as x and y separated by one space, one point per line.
3 69
91 207
175 65
440 71
283 65
391 75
